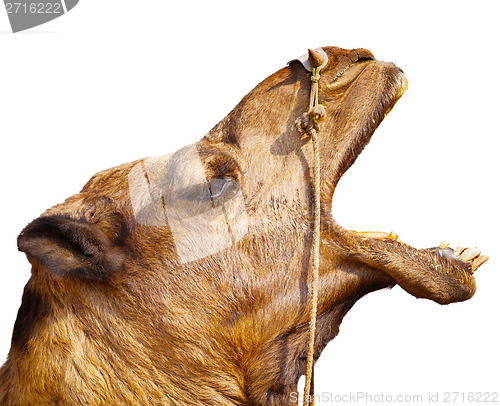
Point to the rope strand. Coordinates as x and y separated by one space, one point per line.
316 112
314 273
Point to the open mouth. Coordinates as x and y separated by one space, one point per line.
395 86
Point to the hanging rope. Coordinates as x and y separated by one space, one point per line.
308 124
314 274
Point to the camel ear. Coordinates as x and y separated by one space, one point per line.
67 246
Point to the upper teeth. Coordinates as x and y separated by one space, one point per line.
479 261
444 244
470 253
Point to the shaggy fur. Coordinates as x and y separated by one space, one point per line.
111 316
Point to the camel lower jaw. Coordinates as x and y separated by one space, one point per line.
470 255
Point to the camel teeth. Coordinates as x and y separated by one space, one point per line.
444 244
479 261
393 236
469 254
459 250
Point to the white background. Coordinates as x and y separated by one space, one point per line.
117 80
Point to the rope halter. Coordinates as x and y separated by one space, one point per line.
308 124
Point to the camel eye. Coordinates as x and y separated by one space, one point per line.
223 188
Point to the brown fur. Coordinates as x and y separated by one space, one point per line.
111 316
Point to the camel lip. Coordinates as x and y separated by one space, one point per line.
402 89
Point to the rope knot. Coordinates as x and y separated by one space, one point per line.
317 113
305 126
315 77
